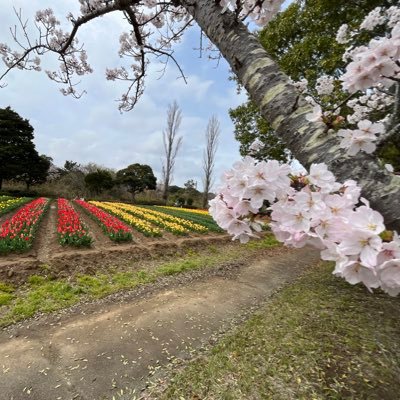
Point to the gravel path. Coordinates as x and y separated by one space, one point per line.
103 349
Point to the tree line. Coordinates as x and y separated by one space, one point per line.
20 162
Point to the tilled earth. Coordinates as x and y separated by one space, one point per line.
102 349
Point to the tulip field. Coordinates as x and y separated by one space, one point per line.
18 232
112 226
87 224
70 229
8 204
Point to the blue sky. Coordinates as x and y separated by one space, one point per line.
93 130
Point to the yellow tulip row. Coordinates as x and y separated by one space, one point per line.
139 224
172 227
191 210
181 221
11 204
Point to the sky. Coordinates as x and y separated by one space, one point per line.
92 129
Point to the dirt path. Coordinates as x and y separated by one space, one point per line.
104 349
46 242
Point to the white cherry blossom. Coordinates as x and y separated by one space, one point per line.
389 275
320 212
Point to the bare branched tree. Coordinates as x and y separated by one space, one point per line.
172 143
212 134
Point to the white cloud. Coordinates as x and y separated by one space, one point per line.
93 130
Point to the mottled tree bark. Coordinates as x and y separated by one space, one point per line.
281 105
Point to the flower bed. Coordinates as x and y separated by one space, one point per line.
17 233
189 210
139 224
8 204
191 225
70 229
199 218
112 226
160 220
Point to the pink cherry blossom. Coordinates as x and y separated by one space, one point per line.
355 273
389 274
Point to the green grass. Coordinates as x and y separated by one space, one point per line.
5 298
268 241
5 287
45 297
43 294
183 266
6 294
319 338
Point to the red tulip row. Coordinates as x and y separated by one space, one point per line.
70 229
17 232
111 225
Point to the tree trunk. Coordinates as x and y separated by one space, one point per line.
205 200
205 194
1 182
282 105
165 191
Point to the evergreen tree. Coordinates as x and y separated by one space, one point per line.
38 170
304 48
16 147
99 180
137 178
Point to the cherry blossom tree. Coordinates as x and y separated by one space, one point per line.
314 208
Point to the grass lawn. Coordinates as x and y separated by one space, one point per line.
42 293
319 338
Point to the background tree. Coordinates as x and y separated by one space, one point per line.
191 194
186 195
249 126
99 181
137 178
37 170
303 37
212 134
174 189
72 184
16 146
305 48
172 143
70 166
